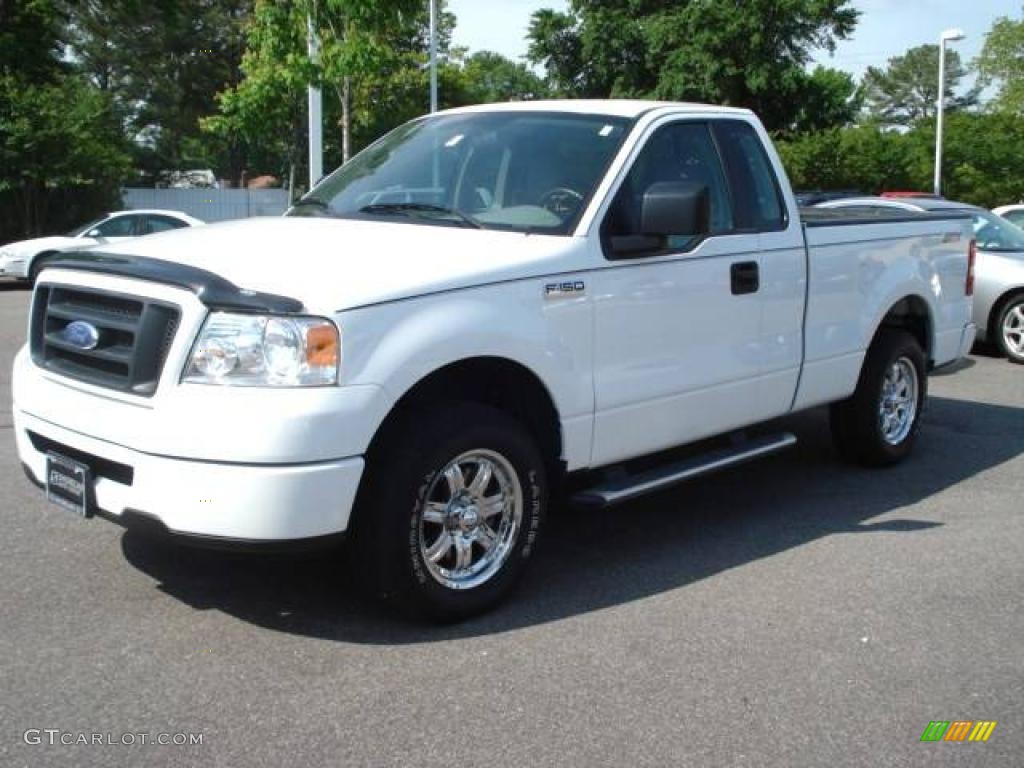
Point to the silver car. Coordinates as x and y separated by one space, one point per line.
999 270
1012 213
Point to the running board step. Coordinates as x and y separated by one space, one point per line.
628 488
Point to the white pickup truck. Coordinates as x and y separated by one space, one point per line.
483 305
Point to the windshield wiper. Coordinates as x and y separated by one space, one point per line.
401 208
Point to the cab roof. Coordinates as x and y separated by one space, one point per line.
628 108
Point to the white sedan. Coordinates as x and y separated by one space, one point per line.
18 259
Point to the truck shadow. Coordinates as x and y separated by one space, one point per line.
10 284
594 560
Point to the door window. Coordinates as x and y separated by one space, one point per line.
676 152
119 226
160 224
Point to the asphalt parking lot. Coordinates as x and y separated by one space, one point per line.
795 612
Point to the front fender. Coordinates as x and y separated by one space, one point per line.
397 344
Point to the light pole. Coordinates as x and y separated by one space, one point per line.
950 35
433 55
316 127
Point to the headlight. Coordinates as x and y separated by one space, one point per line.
265 351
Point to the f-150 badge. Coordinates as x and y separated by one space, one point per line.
564 290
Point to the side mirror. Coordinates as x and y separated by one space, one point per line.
94 233
675 208
668 209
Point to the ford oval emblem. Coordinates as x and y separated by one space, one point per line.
81 334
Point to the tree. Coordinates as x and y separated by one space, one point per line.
863 158
355 45
31 44
1001 63
907 89
491 77
163 65
56 137
752 54
62 154
982 163
830 99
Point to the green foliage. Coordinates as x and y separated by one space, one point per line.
863 158
163 64
908 88
1001 63
982 161
752 54
982 164
373 57
58 132
357 43
491 77
30 39
830 99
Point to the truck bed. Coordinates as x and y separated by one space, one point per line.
842 217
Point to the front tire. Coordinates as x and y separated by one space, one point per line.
1010 330
452 506
878 424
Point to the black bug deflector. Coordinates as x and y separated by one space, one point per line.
211 289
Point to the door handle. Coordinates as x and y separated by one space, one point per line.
745 277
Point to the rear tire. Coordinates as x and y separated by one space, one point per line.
1009 330
878 424
450 511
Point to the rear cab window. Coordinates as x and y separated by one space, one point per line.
756 195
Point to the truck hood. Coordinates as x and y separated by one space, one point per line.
333 264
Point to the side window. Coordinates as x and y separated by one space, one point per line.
160 224
679 152
119 226
755 190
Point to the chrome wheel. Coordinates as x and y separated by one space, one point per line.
898 406
470 519
1013 330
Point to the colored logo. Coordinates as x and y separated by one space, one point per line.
958 730
81 334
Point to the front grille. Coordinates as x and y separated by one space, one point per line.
135 335
100 467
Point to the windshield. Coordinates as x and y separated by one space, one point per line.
519 171
86 227
994 233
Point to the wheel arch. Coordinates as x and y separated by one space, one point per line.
991 325
31 261
497 381
913 314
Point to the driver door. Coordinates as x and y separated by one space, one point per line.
677 330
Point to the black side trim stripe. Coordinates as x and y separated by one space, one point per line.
212 290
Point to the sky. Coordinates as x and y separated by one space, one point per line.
887 28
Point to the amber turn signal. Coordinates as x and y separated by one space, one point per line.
322 346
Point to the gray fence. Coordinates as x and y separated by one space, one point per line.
210 204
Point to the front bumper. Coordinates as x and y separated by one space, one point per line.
257 503
12 267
